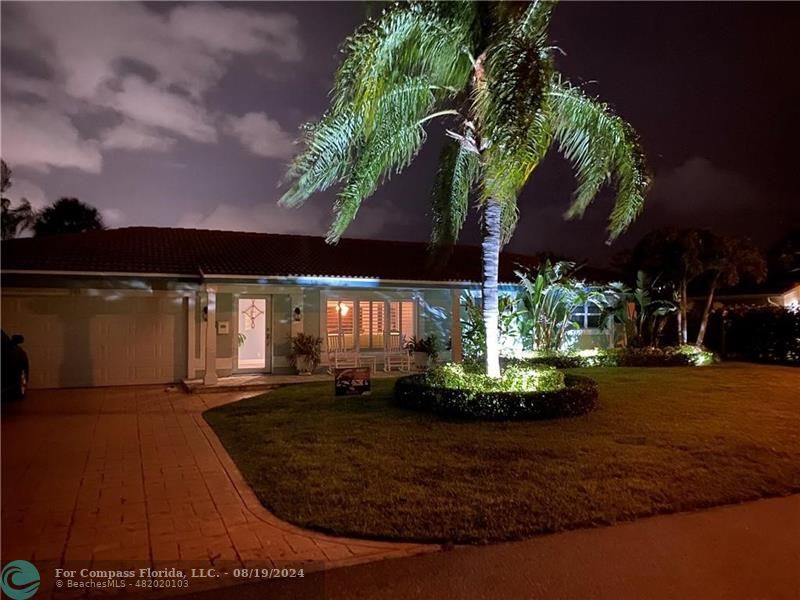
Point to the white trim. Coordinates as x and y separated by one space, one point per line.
333 280
191 333
210 375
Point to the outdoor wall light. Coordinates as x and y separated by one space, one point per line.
297 314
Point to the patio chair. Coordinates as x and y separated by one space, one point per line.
395 354
339 355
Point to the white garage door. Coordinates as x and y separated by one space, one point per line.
113 339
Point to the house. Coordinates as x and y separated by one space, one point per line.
146 305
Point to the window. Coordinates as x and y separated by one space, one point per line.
371 315
341 314
402 318
371 319
588 316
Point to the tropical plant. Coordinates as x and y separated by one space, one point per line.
67 215
14 220
473 332
640 316
428 345
306 348
676 257
488 68
549 299
728 260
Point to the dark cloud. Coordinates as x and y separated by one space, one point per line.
184 114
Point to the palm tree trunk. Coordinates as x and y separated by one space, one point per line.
684 313
490 250
707 311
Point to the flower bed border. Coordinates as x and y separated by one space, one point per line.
577 397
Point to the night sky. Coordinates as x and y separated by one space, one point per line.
184 115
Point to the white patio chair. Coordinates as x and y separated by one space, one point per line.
395 355
339 355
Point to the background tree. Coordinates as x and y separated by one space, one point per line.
488 68
675 257
67 215
727 260
17 219
784 257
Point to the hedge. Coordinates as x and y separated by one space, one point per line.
514 378
577 397
763 334
678 356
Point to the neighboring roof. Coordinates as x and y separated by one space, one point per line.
196 252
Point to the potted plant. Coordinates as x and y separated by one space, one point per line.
306 353
424 350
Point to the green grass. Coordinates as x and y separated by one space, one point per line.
661 440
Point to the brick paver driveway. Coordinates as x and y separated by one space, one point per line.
116 474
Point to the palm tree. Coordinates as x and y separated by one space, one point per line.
67 215
728 260
14 220
488 69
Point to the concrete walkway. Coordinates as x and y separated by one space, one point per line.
745 552
110 475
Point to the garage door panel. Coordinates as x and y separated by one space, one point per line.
75 341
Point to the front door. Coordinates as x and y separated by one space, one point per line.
254 341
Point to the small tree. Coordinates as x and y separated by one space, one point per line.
727 260
67 215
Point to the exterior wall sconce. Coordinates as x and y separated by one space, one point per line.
297 314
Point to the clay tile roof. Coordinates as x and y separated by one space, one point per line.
231 253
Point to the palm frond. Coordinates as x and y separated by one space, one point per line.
510 86
326 158
458 171
603 148
395 71
389 150
417 39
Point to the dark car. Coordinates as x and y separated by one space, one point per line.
15 367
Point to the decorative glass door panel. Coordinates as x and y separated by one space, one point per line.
253 334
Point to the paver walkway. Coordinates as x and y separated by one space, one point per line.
135 474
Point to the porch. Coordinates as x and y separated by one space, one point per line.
260 381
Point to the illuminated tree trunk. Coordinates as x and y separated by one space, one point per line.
701 334
490 249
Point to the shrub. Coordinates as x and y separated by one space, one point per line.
307 347
763 334
429 345
681 356
514 379
578 396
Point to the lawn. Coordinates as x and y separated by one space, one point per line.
661 440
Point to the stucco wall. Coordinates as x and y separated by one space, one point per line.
226 312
